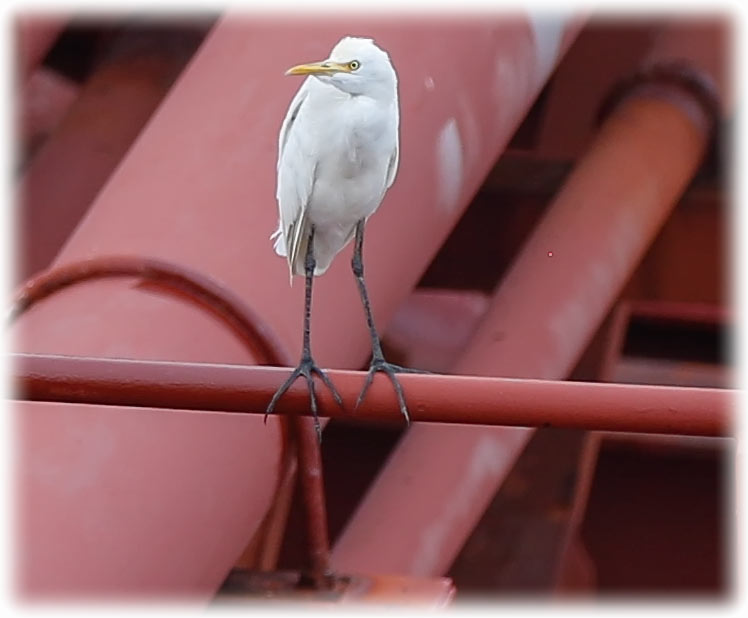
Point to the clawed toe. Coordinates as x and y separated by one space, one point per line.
399 369
379 364
307 367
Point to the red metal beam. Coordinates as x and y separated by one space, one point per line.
43 101
231 310
353 591
35 35
70 168
433 398
205 292
64 533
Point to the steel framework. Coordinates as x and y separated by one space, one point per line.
433 398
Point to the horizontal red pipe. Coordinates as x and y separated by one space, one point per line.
432 398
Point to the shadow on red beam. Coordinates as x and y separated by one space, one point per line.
432 398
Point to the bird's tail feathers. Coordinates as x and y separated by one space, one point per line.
280 248
280 243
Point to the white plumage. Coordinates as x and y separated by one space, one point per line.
337 151
337 156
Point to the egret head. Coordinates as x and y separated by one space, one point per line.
355 66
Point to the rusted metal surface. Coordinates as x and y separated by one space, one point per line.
663 522
35 35
313 492
632 370
111 504
574 569
197 196
263 550
577 574
432 326
292 587
705 45
240 318
695 356
679 311
532 515
431 593
44 99
545 311
640 163
203 290
675 80
249 329
440 399
579 84
143 210
616 368
113 105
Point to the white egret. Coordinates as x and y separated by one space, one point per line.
338 153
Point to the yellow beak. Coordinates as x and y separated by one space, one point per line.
326 67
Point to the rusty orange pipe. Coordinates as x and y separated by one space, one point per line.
433 398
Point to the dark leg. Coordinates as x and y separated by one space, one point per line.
377 357
307 367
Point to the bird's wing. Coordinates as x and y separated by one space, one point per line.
394 161
296 173
291 116
392 166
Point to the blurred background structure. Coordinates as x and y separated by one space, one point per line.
561 213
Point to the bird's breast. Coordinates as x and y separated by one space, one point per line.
354 144
364 143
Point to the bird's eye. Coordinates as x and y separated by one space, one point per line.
353 65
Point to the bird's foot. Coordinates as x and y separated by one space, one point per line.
379 364
307 368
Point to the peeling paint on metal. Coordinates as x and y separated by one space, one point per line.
511 79
471 131
449 165
490 458
572 322
76 460
548 31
